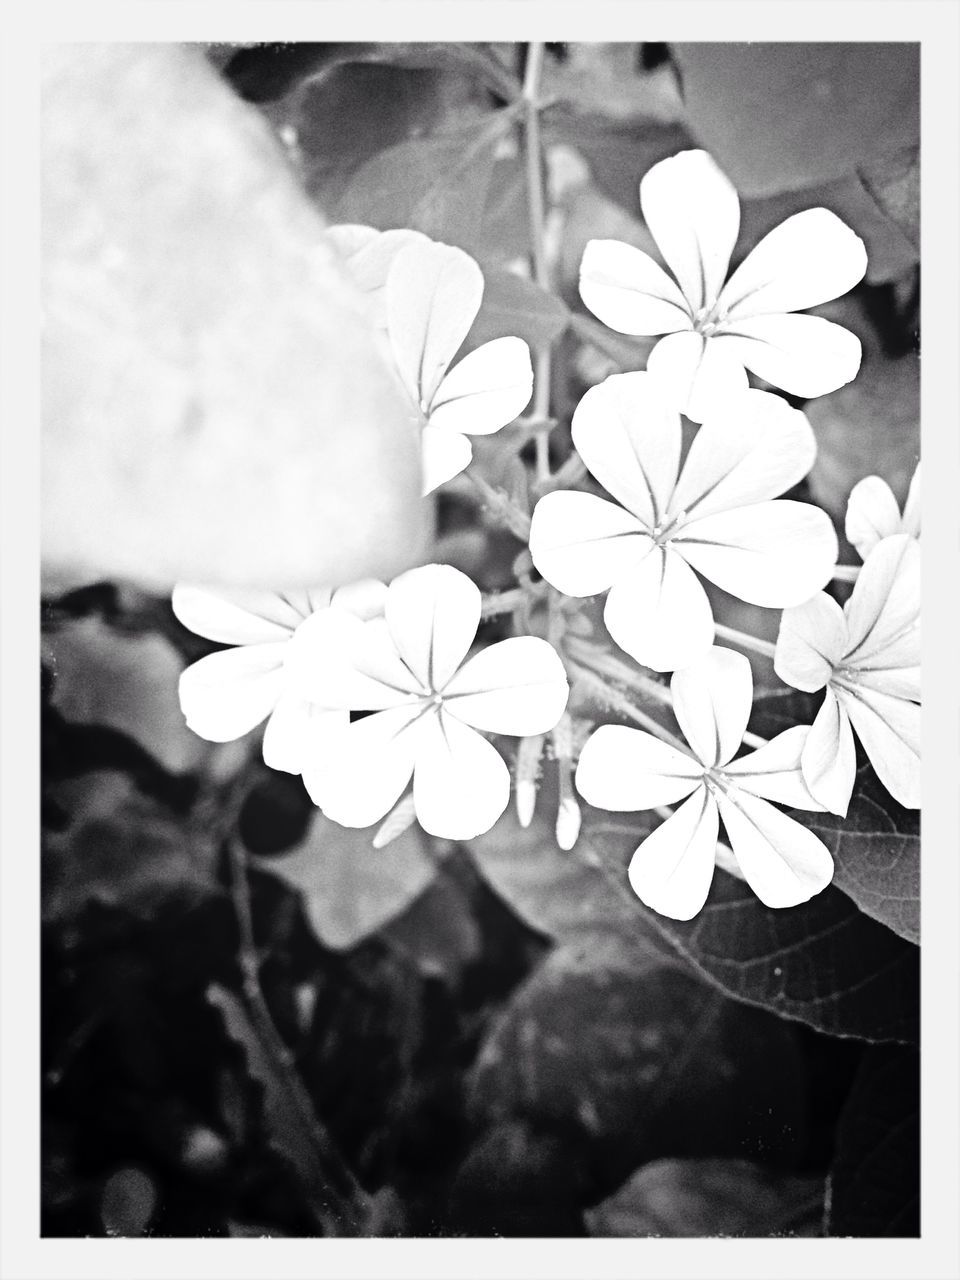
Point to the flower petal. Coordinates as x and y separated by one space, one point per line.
811 641
751 447
629 292
433 294
829 757
433 614
712 700
629 439
805 355
443 455
884 605
370 253
365 598
774 554
659 613
225 695
695 373
693 213
236 617
298 732
336 660
774 771
461 784
889 729
783 862
486 389
517 686
810 258
912 511
672 870
583 544
872 514
362 780
626 770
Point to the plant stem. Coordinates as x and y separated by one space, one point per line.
503 507
620 702
342 1206
536 210
744 641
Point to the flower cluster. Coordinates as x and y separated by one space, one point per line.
373 689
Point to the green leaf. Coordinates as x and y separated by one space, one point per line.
781 116
824 962
513 305
894 182
875 1178
437 185
876 847
694 1198
350 889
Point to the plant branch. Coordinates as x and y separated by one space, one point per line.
743 641
536 209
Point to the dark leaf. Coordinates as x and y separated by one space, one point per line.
781 116
691 1198
824 962
513 305
876 847
875 1179
642 1056
437 185
894 182
350 889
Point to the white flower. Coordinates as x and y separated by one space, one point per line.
226 694
714 516
868 656
671 871
409 669
717 331
426 297
872 513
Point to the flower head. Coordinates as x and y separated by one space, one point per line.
867 654
426 297
873 513
717 331
226 694
714 515
429 704
671 871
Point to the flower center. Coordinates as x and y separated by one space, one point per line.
708 320
667 528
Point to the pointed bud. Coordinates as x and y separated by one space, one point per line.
568 822
402 816
528 769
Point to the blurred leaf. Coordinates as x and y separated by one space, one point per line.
605 79
874 1185
781 116
437 185
894 182
642 1056
513 305
126 682
119 847
870 427
824 962
350 889
127 1202
190 298
690 1198
876 847
438 931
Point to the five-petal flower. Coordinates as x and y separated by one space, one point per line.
873 513
408 668
426 296
717 331
713 515
867 654
228 693
626 769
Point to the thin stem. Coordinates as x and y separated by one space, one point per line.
503 507
536 210
497 602
345 1205
621 703
744 641
846 572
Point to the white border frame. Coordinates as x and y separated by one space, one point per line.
23 1255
